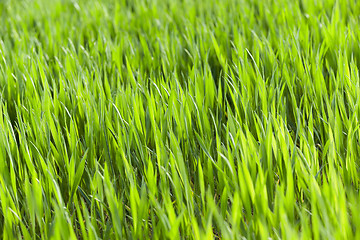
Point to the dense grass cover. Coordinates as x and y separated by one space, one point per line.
179 119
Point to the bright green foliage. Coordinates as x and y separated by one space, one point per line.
179 119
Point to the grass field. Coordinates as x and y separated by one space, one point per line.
179 119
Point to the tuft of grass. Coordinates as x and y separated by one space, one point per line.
179 119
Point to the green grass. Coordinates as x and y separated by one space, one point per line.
179 119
